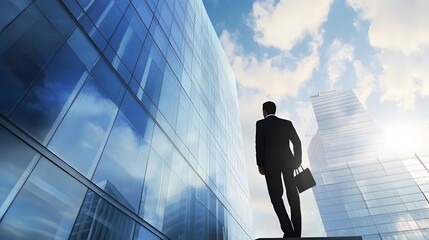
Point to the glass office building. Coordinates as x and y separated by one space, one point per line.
361 188
118 120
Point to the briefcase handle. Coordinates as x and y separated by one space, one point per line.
297 169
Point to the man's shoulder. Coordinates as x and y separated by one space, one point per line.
285 121
260 121
273 119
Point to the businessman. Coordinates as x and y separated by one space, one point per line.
275 159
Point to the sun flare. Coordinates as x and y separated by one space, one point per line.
400 138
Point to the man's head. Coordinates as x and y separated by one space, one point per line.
268 108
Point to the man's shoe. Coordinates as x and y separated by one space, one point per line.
286 236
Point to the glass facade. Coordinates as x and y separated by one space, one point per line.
361 189
118 120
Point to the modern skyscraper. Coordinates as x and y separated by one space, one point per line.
118 120
361 188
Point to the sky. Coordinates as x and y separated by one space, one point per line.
289 50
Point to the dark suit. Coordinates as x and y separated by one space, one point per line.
273 153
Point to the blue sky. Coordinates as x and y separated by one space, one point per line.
288 50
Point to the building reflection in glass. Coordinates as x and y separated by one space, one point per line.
98 219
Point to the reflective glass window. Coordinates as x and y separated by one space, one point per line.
164 13
174 225
16 161
175 63
92 31
142 68
162 145
82 134
108 81
153 198
142 233
197 220
126 44
144 11
74 7
420 214
57 16
83 49
51 95
169 98
9 9
123 162
417 205
98 219
153 83
159 37
27 45
104 14
136 24
408 190
177 36
46 207
387 209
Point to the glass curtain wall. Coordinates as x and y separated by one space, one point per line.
118 120
362 189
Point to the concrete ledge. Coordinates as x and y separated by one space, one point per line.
315 238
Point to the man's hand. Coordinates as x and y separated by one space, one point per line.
297 163
261 170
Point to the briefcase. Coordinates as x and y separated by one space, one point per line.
304 179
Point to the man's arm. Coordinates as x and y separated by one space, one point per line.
297 151
260 148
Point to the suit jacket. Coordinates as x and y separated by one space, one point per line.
272 144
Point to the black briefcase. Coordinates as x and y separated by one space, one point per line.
304 179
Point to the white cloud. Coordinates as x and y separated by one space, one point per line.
265 75
339 54
365 84
404 77
399 30
285 23
399 25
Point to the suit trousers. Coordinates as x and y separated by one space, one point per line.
275 190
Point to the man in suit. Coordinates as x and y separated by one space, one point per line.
274 158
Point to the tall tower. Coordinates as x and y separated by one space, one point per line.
361 188
118 120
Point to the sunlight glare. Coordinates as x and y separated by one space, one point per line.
400 138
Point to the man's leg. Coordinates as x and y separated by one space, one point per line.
294 202
275 190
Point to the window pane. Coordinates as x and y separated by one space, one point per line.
83 49
98 219
51 95
175 209
84 130
46 207
126 44
123 162
169 100
143 11
144 234
16 158
105 15
9 9
27 45
57 16
153 196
